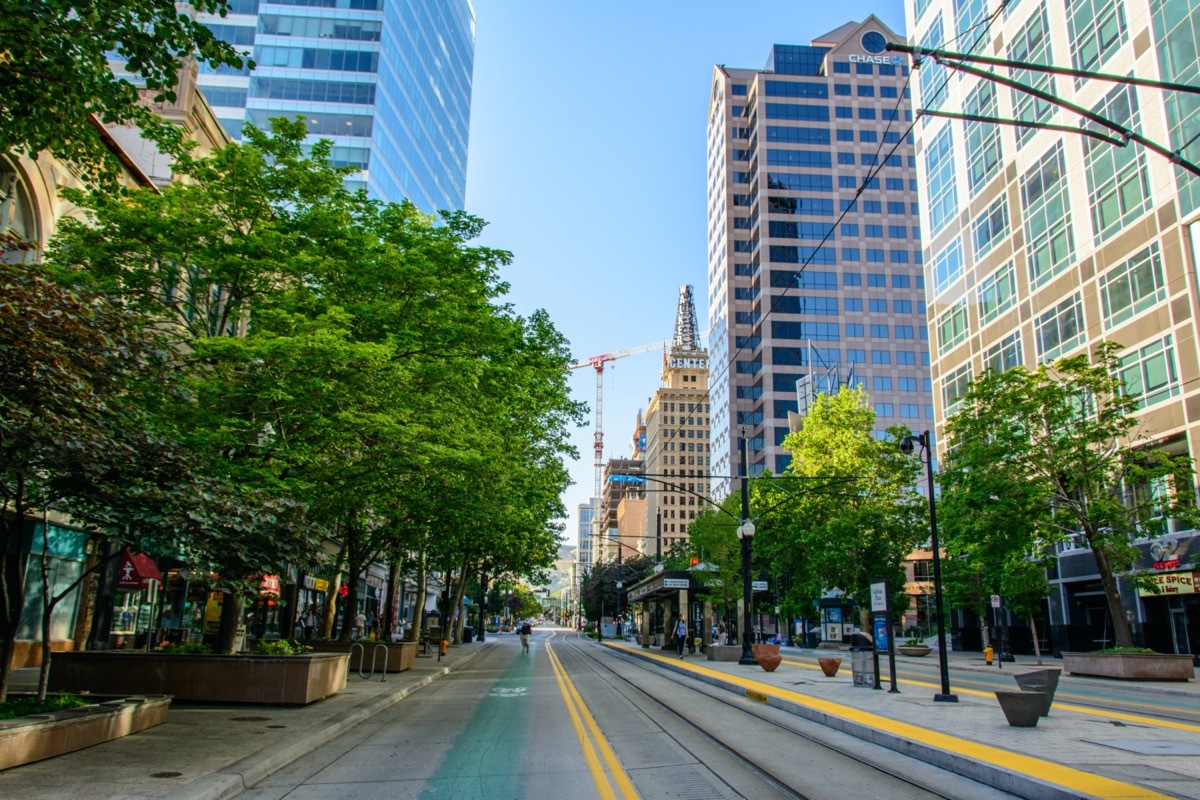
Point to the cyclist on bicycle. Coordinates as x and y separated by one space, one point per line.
526 632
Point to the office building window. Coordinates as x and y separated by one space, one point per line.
997 293
982 138
954 389
1132 287
1060 329
1097 29
884 410
851 279
991 226
947 266
1005 354
939 171
932 76
1150 373
881 383
879 332
910 411
876 279
906 357
1118 184
1049 245
853 304
881 357
878 306
902 306
1032 45
907 384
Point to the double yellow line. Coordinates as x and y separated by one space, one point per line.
591 739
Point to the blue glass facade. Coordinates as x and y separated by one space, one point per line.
388 82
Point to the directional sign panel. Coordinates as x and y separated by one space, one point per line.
759 586
676 583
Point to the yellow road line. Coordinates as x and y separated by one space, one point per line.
1073 779
1107 714
581 717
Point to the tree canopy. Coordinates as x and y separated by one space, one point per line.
55 72
1037 455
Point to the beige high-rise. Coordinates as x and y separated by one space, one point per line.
1041 244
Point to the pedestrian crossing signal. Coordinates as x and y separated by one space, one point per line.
695 562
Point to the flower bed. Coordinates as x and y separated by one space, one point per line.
258 680
36 737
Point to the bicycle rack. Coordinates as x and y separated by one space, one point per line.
362 659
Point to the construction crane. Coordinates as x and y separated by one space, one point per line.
597 363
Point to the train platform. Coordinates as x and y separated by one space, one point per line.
1102 739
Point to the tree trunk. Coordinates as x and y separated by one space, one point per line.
231 617
419 611
983 627
1037 646
331 596
12 579
47 608
389 612
1122 636
460 619
483 582
105 596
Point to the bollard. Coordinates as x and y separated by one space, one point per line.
987 655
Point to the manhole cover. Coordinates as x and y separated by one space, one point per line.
249 719
165 774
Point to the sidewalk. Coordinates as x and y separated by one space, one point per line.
209 752
1074 752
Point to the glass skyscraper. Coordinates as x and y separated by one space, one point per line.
388 81
812 283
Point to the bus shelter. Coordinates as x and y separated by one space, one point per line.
660 598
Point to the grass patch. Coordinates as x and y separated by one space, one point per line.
23 706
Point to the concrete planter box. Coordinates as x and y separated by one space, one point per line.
724 652
257 680
1022 709
28 739
400 654
1156 667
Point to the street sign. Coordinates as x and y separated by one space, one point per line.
995 601
759 586
879 597
676 583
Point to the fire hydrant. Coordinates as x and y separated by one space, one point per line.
987 655
446 645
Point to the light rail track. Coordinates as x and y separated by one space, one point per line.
831 746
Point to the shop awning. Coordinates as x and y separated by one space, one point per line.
137 570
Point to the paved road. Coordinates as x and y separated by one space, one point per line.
572 719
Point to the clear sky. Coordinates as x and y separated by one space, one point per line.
587 158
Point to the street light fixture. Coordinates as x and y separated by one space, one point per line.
907 445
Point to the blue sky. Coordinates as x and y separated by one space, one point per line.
587 160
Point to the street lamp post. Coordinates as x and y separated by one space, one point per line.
745 533
907 445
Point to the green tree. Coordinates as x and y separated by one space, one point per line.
855 517
1058 447
55 75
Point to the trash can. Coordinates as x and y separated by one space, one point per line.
862 666
468 634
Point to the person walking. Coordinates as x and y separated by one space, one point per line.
526 632
310 622
360 625
681 632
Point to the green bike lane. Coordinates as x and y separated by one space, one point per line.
499 730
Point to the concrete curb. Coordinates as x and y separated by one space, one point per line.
1004 780
239 776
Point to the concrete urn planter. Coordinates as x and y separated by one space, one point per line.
914 649
829 666
1133 667
1022 709
767 656
1040 680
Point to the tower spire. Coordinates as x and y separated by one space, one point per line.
686 337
